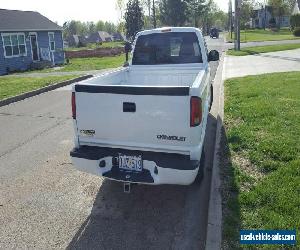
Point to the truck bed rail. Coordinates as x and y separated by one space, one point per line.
134 90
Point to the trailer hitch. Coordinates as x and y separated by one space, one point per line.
127 187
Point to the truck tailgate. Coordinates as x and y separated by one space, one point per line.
133 116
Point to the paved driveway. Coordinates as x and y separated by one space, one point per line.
282 61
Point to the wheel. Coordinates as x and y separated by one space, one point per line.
211 97
200 173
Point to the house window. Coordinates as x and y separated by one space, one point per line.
14 44
51 41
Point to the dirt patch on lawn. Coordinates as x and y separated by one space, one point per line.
247 167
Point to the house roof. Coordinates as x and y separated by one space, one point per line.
16 20
118 35
103 35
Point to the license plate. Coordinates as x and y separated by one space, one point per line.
133 163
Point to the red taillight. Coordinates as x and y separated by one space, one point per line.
73 106
196 111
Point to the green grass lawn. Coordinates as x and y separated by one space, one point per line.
95 46
94 63
262 49
13 85
264 35
86 64
261 176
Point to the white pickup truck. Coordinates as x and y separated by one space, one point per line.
145 123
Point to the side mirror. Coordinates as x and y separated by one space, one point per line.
213 55
127 48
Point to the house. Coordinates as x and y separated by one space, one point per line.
76 41
118 37
296 9
27 38
100 36
263 17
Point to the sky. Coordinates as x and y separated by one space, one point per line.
83 10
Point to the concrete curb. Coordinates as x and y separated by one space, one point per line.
42 90
214 221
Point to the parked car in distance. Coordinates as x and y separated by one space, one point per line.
146 123
214 33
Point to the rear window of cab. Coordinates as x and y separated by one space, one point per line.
167 48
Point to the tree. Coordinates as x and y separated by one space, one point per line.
195 9
147 19
120 5
207 19
134 20
279 9
295 21
73 27
109 27
91 27
172 12
154 13
99 25
121 27
291 5
220 19
246 12
65 29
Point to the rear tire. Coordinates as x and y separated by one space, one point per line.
211 97
200 173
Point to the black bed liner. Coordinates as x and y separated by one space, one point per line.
134 90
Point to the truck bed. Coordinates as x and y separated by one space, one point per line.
148 76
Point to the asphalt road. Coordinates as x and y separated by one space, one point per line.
45 203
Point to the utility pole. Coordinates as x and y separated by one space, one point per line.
237 45
265 24
149 12
154 15
230 18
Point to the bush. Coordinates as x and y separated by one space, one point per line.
272 22
295 21
296 31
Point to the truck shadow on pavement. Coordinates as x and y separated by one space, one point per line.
150 217
230 191
145 218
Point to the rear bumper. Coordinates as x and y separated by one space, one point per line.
158 168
